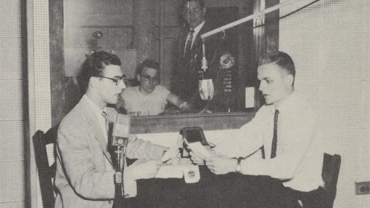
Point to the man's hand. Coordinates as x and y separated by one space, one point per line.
196 159
146 169
132 137
171 155
221 164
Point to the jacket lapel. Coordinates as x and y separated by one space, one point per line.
96 129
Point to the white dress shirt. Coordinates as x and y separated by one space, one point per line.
299 156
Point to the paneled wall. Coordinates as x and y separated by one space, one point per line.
12 146
330 44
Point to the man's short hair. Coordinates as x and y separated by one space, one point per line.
184 2
94 66
149 64
283 60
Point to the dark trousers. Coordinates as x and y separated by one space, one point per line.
313 199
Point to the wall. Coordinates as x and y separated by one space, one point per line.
12 145
329 42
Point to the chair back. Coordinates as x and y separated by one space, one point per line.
46 171
330 173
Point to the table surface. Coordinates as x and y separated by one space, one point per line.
232 190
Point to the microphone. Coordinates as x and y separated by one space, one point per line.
121 130
119 142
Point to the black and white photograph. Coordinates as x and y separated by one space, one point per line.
185 104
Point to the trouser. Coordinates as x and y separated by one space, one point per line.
313 199
271 193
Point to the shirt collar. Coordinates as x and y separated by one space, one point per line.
198 28
289 104
93 106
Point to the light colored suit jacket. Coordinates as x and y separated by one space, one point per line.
82 179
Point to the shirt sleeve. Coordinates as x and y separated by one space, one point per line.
247 140
138 148
303 133
164 92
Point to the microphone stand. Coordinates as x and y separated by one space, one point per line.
119 144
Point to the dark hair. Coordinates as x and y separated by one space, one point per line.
94 66
184 2
283 60
149 64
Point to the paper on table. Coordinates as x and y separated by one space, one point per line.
170 171
198 149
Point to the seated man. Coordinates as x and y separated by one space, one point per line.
288 131
84 169
149 98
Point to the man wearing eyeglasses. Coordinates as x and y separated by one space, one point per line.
149 98
84 171
188 68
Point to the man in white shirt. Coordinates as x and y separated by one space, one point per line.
286 128
149 98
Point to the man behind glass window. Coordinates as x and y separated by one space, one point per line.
190 53
149 98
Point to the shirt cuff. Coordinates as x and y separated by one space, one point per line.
130 186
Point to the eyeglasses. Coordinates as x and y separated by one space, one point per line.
118 81
149 78
192 11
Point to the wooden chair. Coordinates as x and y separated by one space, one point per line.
46 171
330 173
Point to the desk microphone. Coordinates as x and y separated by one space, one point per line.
121 130
119 142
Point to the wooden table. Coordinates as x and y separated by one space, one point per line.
232 190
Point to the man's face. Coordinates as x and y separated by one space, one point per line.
108 90
276 83
194 14
148 80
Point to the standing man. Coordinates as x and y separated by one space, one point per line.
287 129
84 170
188 68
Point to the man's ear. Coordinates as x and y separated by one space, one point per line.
138 77
93 82
289 79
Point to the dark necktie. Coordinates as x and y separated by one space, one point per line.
188 43
274 138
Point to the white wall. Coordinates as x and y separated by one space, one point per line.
12 178
329 42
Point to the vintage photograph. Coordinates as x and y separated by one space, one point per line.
185 103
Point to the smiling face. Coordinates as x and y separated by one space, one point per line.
194 13
148 79
276 83
106 88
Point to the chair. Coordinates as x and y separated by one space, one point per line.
46 172
330 173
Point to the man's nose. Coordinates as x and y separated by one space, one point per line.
122 85
261 87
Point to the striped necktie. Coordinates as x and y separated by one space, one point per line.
274 138
107 123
